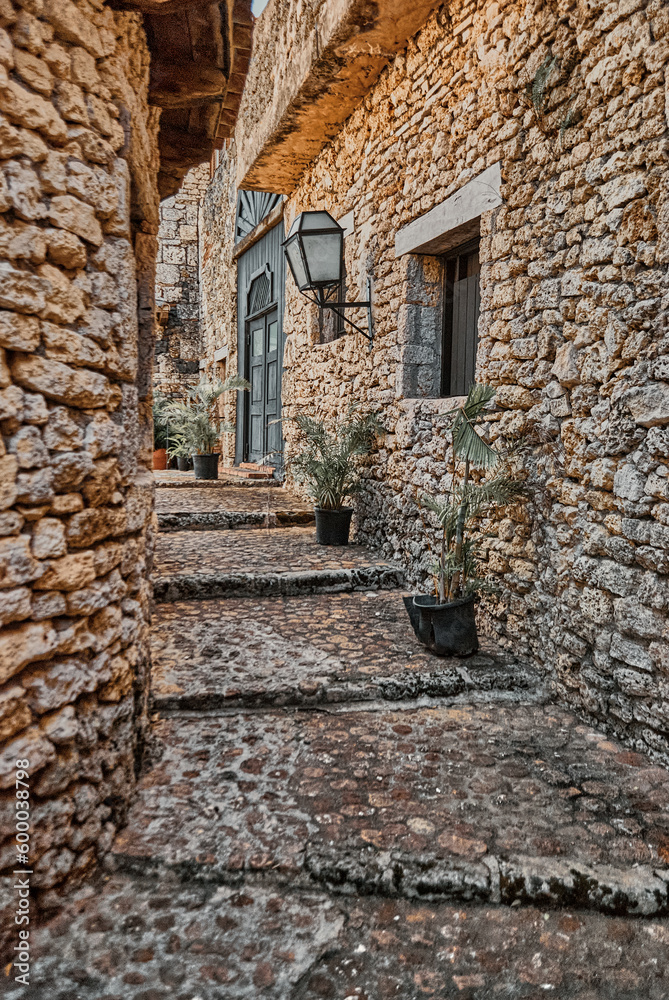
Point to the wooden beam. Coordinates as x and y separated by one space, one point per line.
157 6
180 86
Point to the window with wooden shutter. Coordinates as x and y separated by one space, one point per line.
461 316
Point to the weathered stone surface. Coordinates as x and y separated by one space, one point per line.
76 98
17 564
178 345
31 745
573 292
17 332
377 800
23 644
93 525
15 605
8 473
259 940
21 291
298 566
323 649
77 217
68 572
60 382
649 404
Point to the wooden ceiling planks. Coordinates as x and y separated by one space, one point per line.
200 54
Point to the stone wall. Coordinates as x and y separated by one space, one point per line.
78 225
178 347
574 296
218 286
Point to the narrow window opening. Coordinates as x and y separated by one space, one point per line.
461 315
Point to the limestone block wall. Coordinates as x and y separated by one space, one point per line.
78 225
573 328
218 286
178 347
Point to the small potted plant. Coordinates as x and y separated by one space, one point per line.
180 449
445 621
329 466
196 422
160 432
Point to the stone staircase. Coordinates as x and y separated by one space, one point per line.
329 811
250 470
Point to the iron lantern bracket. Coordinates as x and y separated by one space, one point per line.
323 303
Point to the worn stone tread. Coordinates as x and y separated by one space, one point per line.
263 562
311 650
137 938
229 520
492 804
186 480
193 500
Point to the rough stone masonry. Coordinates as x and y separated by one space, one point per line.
178 347
78 224
574 296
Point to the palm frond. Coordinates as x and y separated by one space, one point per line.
328 463
467 443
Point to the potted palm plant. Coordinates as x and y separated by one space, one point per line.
445 621
196 422
329 466
179 448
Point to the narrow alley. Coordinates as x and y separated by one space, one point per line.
327 811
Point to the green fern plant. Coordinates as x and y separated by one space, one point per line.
329 464
195 422
456 570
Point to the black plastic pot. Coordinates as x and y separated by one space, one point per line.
333 526
206 466
183 463
446 629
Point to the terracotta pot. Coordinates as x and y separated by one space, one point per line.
160 458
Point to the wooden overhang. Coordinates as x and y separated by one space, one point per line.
200 54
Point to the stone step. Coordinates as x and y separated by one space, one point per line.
226 520
481 804
242 473
315 650
229 507
186 480
256 467
263 562
121 933
229 497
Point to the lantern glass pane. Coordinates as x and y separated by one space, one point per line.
297 264
317 220
323 255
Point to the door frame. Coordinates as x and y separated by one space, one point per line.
250 320
265 254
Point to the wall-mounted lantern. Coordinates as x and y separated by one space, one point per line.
315 253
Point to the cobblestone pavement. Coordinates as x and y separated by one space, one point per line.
317 649
126 938
281 550
462 802
457 835
171 478
193 500
195 565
